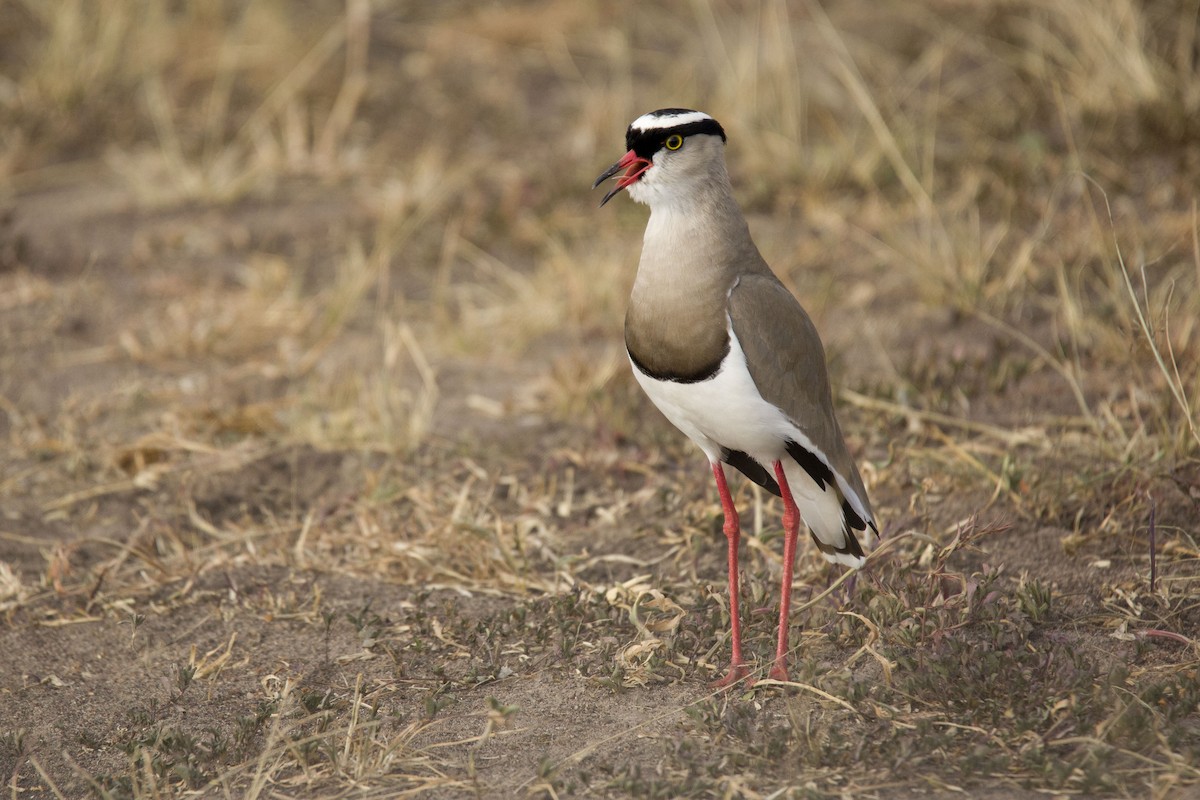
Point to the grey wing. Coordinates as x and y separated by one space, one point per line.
787 362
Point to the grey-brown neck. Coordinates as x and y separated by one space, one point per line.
696 245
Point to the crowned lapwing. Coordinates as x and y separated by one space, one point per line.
729 356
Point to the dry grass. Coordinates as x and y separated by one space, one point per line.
324 474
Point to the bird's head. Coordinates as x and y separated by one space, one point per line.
669 152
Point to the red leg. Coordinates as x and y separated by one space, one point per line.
733 535
791 527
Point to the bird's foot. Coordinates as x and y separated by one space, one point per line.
737 672
778 672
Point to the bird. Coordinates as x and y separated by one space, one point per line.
728 355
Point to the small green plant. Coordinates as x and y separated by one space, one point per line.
184 675
1034 598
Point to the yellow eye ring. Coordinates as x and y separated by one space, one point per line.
674 141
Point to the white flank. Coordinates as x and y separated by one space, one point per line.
727 411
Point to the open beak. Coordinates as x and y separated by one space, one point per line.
634 165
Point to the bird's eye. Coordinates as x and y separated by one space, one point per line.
674 141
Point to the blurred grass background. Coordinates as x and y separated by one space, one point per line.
979 158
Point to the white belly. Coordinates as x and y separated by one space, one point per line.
727 412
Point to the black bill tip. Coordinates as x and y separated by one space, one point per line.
608 173
611 194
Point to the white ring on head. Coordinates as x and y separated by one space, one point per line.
649 122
